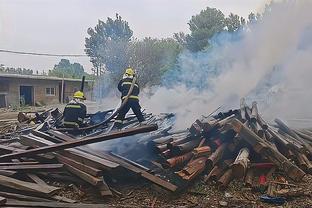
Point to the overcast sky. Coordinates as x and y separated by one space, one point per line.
59 26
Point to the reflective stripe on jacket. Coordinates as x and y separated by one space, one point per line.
74 113
124 87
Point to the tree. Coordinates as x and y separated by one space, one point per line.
107 44
205 25
19 70
151 58
233 22
65 69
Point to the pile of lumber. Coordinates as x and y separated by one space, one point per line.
29 162
238 144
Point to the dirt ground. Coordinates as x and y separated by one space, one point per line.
139 193
201 195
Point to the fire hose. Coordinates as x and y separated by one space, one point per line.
115 112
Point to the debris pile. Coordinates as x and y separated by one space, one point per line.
36 164
239 144
41 165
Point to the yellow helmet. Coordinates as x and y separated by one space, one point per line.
79 95
129 72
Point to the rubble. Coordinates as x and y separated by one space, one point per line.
38 160
243 146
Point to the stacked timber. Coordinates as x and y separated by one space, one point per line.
238 144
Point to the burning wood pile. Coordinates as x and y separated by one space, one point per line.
238 144
40 162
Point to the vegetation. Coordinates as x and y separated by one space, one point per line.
67 70
11 70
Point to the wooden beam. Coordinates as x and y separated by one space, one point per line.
26 186
95 181
90 170
39 167
80 142
77 154
23 197
20 163
260 146
6 149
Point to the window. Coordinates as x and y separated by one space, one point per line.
50 91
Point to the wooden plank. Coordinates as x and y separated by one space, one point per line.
16 203
39 181
79 142
90 159
104 189
95 181
84 176
159 181
63 199
39 167
6 150
90 170
36 179
82 154
23 197
19 163
26 186
74 154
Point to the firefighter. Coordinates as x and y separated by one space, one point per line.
75 111
133 100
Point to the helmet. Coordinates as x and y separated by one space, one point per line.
129 72
79 95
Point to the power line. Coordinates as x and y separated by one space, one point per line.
42 54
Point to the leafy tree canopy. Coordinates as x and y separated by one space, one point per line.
68 70
205 25
100 45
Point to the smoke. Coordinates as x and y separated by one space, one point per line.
268 61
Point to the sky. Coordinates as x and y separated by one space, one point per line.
59 26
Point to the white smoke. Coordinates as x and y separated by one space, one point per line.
270 61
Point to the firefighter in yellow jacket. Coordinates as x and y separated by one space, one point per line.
133 100
75 111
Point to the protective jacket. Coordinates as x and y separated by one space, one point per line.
124 87
132 103
74 113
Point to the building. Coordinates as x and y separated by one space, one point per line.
17 89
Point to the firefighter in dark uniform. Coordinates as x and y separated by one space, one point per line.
75 111
133 100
